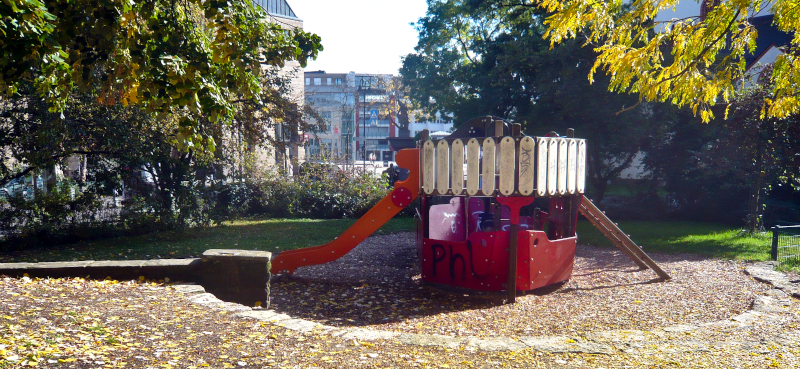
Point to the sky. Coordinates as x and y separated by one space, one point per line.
362 36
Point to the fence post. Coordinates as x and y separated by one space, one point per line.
775 235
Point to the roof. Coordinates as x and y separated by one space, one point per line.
277 7
768 35
398 143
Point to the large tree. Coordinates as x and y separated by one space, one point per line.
183 58
479 57
695 61
467 59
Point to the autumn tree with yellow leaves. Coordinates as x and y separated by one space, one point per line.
696 61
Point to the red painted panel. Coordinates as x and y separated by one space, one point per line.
481 263
542 262
447 221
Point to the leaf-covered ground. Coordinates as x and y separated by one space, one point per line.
377 285
77 323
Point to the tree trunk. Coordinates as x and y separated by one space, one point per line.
595 176
754 209
82 170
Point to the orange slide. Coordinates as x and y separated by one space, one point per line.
402 195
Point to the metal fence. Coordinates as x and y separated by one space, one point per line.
786 244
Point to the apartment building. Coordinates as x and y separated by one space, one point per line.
360 112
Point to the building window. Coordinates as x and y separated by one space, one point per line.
308 81
338 81
329 81
317 81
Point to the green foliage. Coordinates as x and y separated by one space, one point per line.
119 145
338 195
474 58
189 59
318 193
132 149
688 62
722 171
61 214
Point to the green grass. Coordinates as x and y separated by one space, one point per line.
276 235
686 237
273 235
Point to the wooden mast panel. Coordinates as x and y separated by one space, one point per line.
428 153
473 167
526 173
457 167
442 167
507 161
488 174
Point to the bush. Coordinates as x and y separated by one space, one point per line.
326 194
318 192
62 214
65 214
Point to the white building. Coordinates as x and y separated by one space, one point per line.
360 112
332 95
440 125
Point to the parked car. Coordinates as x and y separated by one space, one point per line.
18 187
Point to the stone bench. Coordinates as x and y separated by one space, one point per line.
231 275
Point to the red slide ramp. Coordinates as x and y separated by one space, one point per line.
402 195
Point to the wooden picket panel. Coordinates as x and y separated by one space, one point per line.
525 165
572 166
541 166
442 167
507 167
580 180
473 167
537 166
457 167
428 177
562 166
552 166
488 174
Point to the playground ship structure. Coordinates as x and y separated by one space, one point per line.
482 225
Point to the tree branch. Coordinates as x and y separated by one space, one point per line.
704 51
24 172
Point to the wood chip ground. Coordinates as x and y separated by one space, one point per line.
77 323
